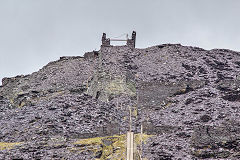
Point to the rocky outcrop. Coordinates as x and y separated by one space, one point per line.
186 98
217 141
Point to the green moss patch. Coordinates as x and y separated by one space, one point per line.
110 147
118 86
5 145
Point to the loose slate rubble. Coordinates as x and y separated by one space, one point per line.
188 98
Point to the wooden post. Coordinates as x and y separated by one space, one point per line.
87 85
141 139
117 103
130 119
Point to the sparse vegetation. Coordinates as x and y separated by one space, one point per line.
5 145
110 147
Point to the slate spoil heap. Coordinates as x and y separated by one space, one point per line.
186 99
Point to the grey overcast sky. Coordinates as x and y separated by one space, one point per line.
35 32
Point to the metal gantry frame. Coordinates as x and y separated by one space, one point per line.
115 38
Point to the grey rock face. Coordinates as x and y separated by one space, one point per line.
186 97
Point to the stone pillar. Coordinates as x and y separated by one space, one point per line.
105 41
103 38
134 38
131 42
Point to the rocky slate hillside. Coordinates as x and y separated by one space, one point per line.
185 98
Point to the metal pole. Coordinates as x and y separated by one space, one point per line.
118 40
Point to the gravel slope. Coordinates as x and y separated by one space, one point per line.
188 98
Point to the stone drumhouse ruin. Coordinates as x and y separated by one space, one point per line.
106 42
130 42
